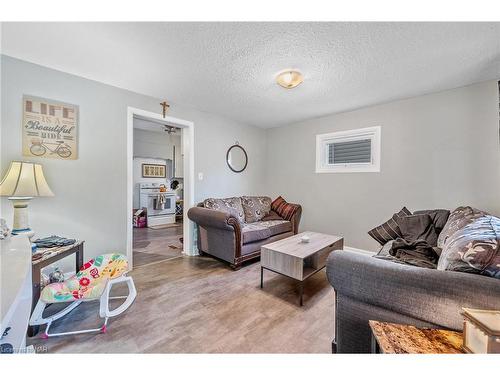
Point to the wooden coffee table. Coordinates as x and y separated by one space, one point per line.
297 260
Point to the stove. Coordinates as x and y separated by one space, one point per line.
159 206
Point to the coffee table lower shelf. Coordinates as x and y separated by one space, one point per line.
308 272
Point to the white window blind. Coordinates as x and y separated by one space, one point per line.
348 151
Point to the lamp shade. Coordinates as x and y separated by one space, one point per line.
25 179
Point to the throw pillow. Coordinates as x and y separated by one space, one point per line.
283 208
475 248
458 219
418 227
390 229
230 205
255 208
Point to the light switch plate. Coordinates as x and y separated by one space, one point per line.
200 176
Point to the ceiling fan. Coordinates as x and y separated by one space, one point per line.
169 129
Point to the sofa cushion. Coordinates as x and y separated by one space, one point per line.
459 218
390 229
283 208
230 205
254 247
279 226
253 232
272 216
262 230
255 208
475 248
439 217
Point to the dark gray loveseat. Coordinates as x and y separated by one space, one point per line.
368 288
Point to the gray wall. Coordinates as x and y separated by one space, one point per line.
90 193
438 150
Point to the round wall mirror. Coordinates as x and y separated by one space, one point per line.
237 158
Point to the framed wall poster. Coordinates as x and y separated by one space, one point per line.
50 128
154 170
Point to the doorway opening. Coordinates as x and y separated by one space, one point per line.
160 191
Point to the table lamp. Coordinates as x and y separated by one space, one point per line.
22 182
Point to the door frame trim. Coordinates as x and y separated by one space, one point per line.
188 179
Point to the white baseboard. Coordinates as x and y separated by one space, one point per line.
360 251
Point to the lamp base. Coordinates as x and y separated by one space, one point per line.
21 219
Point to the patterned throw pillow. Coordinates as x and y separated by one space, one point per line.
390 229
458 219
230 205
255 208
475 248
283 208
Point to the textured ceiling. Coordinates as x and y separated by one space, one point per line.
229 68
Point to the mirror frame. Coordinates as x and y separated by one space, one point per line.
227 158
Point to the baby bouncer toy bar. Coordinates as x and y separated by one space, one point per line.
94 281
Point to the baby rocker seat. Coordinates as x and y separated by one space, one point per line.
94 281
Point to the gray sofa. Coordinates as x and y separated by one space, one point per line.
368 288
226 232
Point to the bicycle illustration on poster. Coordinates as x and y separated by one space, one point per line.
50 128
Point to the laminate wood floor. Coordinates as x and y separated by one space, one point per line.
200 305
154 245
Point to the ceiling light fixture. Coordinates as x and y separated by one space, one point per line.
289 78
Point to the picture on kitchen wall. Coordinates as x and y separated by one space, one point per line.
154 170
50 129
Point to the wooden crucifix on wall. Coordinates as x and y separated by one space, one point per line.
165 107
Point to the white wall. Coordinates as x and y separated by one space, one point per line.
437 151
151 147
159 144
138 179
153 144
90 193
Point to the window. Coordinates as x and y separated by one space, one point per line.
348 151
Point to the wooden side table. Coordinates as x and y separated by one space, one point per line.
37 265
390 338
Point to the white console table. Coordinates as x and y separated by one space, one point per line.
15 291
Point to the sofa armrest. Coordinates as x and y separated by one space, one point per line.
296 219
426 294
206 217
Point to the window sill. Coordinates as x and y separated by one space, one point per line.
349 169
